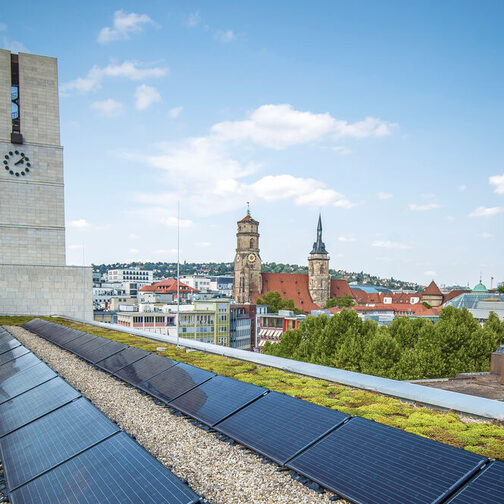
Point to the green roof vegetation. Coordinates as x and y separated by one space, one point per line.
483 437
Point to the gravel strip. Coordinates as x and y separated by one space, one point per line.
222 473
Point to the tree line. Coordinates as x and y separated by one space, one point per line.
407 349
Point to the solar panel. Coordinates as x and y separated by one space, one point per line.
116 471
13 367
65 335
121 359
144 369
176 380
9 345
52 439
25 380
74 344
5 337
217 398
13 354
34 403
279 426
485 488
370 463
103 351
90 346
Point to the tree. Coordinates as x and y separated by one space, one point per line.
381 355
494 325
342 302
501 288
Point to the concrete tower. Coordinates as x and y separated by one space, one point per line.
247 263
33 276
319 279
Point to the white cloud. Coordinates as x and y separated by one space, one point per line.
430 273
146 96
109 108
79 224
423 208
13 45
486 235
75 247
3 27
123 25
175 112
347 238
498 182
173 222
133 251
225 36
281 126
132 70
133 236
203 244
193 19
384 195
390 245
462 187
482 211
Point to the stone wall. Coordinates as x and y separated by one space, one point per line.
46 290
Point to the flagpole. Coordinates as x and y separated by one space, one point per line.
178 271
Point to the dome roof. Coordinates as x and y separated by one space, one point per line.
480 288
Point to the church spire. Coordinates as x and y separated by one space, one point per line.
319 246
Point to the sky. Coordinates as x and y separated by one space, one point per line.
386 117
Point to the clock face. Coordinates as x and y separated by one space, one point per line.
16 163
251 258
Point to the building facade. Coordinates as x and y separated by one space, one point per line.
142 277
319 279
34 278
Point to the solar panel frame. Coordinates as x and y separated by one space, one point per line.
35 403
14 366
9 345
175 381
13 354
370 463
102 352
144 368
115 471
51 440
485 487
292 425
121 359
216 399
25 380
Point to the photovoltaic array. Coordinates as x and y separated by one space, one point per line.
364 461
55 446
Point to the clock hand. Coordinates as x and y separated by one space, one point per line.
21 161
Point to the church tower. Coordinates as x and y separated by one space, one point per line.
319 279
247 263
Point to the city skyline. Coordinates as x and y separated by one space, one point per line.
385 118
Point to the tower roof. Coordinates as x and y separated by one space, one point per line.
319 245
433 289
480 288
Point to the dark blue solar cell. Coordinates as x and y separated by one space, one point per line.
33 404
12 367
216 399
5 337
52 439
144 369
121 359
370 463
101 352
65 336
74 344
116 471
9 345
484 488
176 380
279 426
13 354
24 380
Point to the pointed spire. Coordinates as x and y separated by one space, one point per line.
319 246
248 208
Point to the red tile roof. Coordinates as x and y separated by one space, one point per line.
433 290
399 309
168 286
289 285
453 294
340 288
